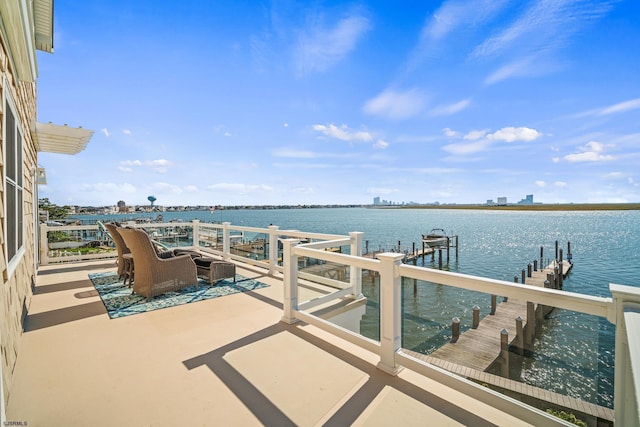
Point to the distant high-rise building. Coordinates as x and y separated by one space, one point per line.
376 200
528 200
502 201
122 206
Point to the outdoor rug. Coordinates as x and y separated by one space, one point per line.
119 301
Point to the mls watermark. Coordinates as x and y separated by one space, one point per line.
14 423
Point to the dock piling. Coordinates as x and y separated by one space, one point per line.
504 352
455 329
476 317
519 342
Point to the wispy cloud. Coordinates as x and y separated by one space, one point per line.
621 107
448 110
106 132
343 133
455 14
322 46
592 151
307 154
531 40
546 25
396 105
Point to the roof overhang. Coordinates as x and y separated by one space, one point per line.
60 139
27 26
43 24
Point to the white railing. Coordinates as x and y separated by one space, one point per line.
622 309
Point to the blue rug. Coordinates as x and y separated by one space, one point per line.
119 301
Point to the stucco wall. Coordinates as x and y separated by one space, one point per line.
16 286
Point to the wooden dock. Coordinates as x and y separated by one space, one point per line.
481 347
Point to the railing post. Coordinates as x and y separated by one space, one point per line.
355 273
226 241
195 232
290 266
390 312
626 400
44 244
273 249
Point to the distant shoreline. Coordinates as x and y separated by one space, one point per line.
536 207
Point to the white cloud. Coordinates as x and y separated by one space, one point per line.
541 184
320 48
451 133
131 163
286 125
191 189
126 131
106 132
591 152
381 144
511 134
467 148
475 134
560 184
396 105
343 133
447 110
481 139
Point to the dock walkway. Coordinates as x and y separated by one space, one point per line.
479 348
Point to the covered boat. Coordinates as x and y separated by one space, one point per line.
436 237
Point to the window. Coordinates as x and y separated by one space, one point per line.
13 184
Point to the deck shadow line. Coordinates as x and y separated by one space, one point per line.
269 414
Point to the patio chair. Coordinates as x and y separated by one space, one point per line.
125 260
155 275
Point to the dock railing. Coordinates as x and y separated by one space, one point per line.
285 251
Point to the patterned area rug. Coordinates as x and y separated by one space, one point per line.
119 302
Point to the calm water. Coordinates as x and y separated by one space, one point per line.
574 355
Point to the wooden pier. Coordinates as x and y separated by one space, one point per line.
480 347
482 352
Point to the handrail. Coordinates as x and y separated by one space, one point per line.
623 310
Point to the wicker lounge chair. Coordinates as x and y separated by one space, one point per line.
125 261
155 275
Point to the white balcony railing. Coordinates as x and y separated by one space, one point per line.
288 251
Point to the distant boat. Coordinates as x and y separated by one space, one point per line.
436 237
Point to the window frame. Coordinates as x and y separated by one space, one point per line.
14 186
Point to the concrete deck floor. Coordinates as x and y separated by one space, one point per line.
226 362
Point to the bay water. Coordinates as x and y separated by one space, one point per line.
575 354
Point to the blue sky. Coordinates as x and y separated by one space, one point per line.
289 102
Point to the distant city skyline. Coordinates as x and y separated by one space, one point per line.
250 103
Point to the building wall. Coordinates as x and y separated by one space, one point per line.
16 286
